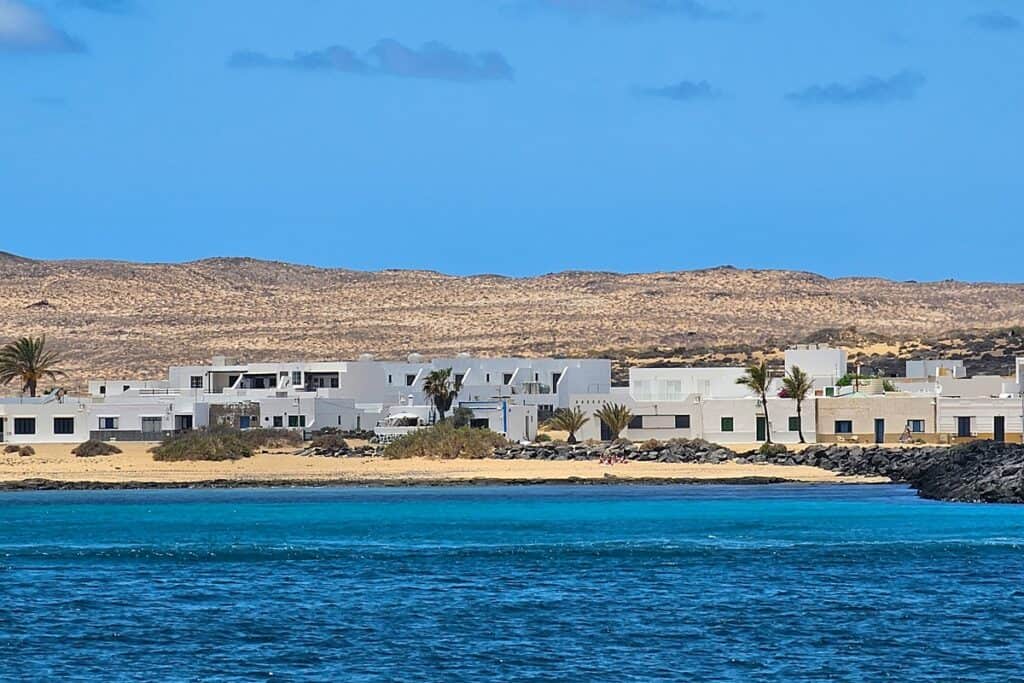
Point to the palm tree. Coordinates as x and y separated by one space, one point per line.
571 421
615 417
798 384
758 380
441 390
28 361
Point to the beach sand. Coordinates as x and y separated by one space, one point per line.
55 463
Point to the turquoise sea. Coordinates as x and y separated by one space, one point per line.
617 583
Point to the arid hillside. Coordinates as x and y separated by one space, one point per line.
114 319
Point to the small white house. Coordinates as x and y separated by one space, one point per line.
45 419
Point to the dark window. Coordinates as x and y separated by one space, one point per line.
506 378
389 380
794 424
963 426
479 423
727 424
844 427
916 426
682 421
409 379
458 380
296 420
334 383
125 387
278 421
108 423
296 377
487 378
103 389
63 425
24 425
196 382
636 422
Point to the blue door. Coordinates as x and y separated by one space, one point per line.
243 422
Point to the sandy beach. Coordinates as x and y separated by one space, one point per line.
56 464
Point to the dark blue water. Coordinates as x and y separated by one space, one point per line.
553 584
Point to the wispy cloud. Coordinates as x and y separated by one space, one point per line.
870 90
23 28
694 10
995 21
388 58
105 6
683 91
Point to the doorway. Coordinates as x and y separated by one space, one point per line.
879 430
963 426
999 428
183 423
762 428
2 428
151 427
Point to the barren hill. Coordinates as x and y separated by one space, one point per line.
114 319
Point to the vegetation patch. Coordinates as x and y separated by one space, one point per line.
214 445
20 450
262 439
446 441
331 441
92 447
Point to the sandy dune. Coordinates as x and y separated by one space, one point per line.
55 462
114 319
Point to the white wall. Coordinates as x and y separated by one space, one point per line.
824 364
43 411
675 384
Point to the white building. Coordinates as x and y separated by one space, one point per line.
45 419
825 365
707 403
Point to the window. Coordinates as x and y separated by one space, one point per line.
487 378
916 426
844 427
278 421
963 426
458 380
296 377
24 425
409 379
389 380
103 389
63 425
727 424
296 420
479 423
506 378
794 424
636 422
195 382
125 387
108 423
682 421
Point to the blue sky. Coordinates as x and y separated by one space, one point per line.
518 136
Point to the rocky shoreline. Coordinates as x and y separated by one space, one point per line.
981 471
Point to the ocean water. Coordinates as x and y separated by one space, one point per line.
793 583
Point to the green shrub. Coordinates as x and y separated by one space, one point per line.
542 438
445 441
215 444
461 416
268 438
330 441
772 449
92 447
